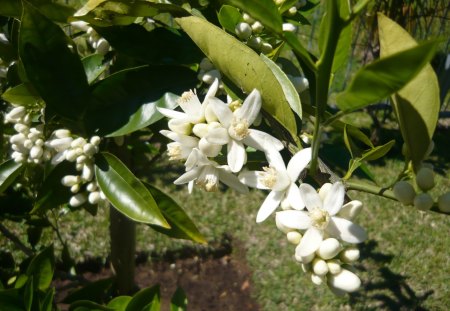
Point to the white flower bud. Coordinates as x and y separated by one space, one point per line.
300 83
319 267
58 158
78 142
19 148
33 135
95 140
102 46
344 281
37 161
75 188
81 159
334 266
87 173
247 18
257 27
289 27
243 31
349 255
91 187
77 200
94 197
79 166
102 195
254 42
423 202
28 143
61 144
70 180
17 156
200 129
444 202
292 11
89 149
316 279
47 155
404 192
329 248
21 128
304 259
210 76
208 149
294 237
425 178
61 133
206 64
39 142
72 155
36 152
26 119
266 48
17 139
16 113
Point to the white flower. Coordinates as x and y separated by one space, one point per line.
182 146
280 179
207 174
321 219
236 132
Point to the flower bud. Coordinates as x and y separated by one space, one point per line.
319 267
294 237
257 27
16 113
102 195
344 281
444 203
316 279
266 48
75 188
334 266
92 186
180 126
21 128
61 133
19 148
81 159
423 202
70 180
17 139
36 152
329 248
404 192
248 18
61 144
254 42
425 178
77 200
292 11
95 140
300 83
87 173
102 46
94 197
289 27
285 205
206 64
47 155
210 76
78 142
89 149
243 31
39 142
200 129
17 156
28 143
349 255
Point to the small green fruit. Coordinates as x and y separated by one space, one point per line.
423 201
425 178
404 192
444 203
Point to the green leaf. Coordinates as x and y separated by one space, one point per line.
289 90
147 114
242 66
55 72
126 192
9 171
95 291
41 268
179 300
181 226
86 305
11 300
28 294
119 303
22 95
229 17
137 87
264 11
417 103
47 303
345 39
143 298
385 76
54 11
94 66
88 7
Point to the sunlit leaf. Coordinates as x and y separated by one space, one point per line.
229 17
54 11
242 66
144 298
416 104
41 268
126 192
86 305
9 171
181 226
385 76
54 70
94 66
119 303
22 95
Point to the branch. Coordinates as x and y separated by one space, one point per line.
9 235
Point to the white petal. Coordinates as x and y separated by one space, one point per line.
251 179
196 158
310 242
350 210
190 186
294 219
298 163
269 205
250 108
346 230
262 141
218 136
210 150
323 191
222 111
188 176
232 181
237 156
212 90
294 197
191 105
310 197
181 126
275 160
335 199
172 114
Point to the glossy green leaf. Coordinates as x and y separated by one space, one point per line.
147 114
417 104
179 300
9 171
54 70
52 193
229 17
86 305
341 55
95 291
54 11
22 95
126 192
289 90
385 76
143 298
181 226
47 303
94 66
264 11
119 303
120 97
41 268
28 294
88 7
242 66
286 5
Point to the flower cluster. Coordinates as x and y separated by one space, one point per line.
97 42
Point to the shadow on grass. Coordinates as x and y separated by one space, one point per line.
385 289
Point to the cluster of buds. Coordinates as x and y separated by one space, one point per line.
81 152
28 144
97 42
249 31
325 236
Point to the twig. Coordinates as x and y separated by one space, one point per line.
9 235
